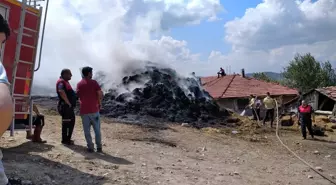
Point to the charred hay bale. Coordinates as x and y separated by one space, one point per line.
134 105
155 112
138 92
164 95
124 97
132 79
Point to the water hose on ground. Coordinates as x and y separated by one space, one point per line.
297 156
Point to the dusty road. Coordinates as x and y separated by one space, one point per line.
172 156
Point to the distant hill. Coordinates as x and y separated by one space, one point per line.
272 75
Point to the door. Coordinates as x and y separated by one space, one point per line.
4 13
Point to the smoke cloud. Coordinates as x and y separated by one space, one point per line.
116 36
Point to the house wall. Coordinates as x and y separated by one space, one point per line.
312 99
239 104
288 98
227 104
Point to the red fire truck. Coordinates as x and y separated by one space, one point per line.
19 53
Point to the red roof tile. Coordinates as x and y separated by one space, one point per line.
328 91
235 86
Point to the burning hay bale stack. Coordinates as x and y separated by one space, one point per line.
161 93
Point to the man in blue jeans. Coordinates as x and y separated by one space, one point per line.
90 97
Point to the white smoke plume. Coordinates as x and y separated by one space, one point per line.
115 36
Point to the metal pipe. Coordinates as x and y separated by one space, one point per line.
18 43
33 70
13 120
42 37
31 115
17 57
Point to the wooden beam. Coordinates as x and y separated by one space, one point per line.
334 110
316 100
323 112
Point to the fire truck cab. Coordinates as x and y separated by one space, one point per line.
19 53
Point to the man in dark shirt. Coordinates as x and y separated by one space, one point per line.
221 73
66 105
90 97
305 117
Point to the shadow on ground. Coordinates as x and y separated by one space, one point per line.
21 162
155 140
28 147
322 140
102 156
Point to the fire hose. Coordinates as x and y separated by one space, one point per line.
291 151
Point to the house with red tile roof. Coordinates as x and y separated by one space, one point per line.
233 91
321 99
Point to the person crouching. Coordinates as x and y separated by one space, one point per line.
38 122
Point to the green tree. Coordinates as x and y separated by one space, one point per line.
304 72
263 77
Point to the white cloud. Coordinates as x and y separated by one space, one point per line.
275 23
268 60
111 35
268 36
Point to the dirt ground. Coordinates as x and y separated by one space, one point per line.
171 155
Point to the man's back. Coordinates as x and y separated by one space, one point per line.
87 92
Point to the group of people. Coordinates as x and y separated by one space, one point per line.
88 92
268 102
305 112
90 96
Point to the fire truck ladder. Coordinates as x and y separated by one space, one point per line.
26 99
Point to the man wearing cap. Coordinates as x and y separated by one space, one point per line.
67 103
90 97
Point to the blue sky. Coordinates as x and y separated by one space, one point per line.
204 38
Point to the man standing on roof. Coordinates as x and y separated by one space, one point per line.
90 97
305 117
269 103
221 73
6 104
67 103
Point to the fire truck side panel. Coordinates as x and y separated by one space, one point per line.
28 49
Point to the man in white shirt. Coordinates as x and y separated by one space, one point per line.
257 107
6 104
